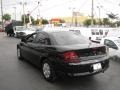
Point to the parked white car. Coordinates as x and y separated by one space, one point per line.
113 33
17 29
114 45
25 32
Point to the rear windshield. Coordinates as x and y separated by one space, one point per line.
69 38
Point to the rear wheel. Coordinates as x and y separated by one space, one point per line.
19 54
48 71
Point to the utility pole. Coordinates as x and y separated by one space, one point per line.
2 14
14 16
72 20
23 5
38 10
24 13
14 13
92 15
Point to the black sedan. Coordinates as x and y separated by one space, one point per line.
64 52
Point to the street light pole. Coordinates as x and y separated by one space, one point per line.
72 17
99 13
92 16
99 9
76 14
2 14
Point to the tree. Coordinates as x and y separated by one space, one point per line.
118 23
37 22
27 19
106 21
87 22
41 21
112 16
6 17
44 21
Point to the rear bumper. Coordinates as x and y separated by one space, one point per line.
82 69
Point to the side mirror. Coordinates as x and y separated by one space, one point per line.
23 40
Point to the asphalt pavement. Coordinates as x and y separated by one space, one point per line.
21 75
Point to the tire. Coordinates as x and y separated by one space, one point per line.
19 56
48 71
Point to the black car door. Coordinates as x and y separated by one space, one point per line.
27 45
38 47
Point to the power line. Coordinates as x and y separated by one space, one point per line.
107 11
103 7
34 9
83 4
57 5
111 2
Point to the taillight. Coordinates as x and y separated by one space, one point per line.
70 56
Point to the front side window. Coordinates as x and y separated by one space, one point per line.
31 38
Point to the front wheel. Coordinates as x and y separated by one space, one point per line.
48 71
19 54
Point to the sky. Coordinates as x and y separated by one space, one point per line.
60 8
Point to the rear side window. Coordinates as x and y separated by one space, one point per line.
42 38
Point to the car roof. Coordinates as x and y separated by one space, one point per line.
55 29
115 33
112 38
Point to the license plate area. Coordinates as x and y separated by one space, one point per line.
97 66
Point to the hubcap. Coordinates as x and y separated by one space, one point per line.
18 53
46 70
